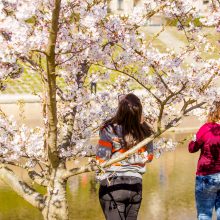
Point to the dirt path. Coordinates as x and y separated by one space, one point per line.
167 38
30 114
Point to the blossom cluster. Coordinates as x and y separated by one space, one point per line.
113 48
20 142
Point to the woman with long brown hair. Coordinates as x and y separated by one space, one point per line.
207 187
120 192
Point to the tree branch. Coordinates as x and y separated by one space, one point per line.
37 178
172 95
157 9
16 164
39 51
162 80
94 167
136 80
21 188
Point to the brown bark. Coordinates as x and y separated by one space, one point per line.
51 89
56 203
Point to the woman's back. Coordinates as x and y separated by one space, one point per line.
208 141
120 191
207 182
111 145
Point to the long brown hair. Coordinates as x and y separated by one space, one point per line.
214 113
129 116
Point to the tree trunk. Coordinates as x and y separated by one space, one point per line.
51 89
56 202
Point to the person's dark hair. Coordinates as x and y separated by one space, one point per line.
129 116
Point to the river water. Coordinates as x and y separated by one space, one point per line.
168 193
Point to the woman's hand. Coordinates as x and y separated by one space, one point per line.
194 137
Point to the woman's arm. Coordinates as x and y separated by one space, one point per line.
104 149
198 141
194 146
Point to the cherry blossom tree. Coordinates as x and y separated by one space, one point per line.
68 41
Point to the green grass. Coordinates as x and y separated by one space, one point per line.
27 83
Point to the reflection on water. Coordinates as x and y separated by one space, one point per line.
168 193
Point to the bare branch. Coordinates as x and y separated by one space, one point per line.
161 79
199 105
22 188
94 167
182 26
136 80
38 178
73 53
40 51
155 36
172 95
16 164
171 124
184 112
156 10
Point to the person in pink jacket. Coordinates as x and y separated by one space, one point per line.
207 187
